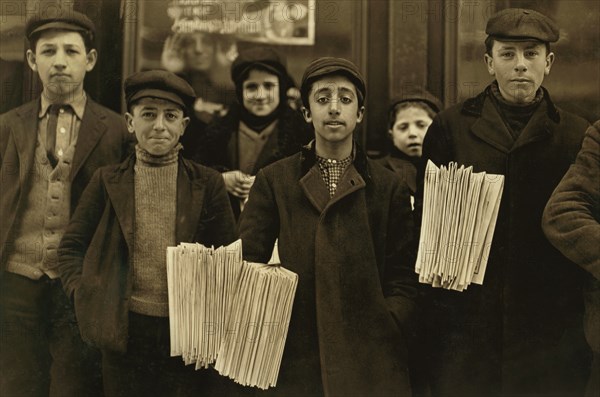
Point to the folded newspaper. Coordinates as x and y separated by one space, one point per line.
460 209
228 312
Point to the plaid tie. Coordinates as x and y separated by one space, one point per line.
51 134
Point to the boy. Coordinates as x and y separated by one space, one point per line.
520 332
49 149
112 258
344 225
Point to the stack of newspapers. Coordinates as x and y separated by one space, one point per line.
460 209
228 312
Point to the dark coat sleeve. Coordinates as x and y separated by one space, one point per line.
572 215
78 235
259 223
436 146
400 280
217 221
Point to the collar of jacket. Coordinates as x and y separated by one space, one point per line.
474 106
309 159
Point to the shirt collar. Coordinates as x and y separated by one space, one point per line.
77 104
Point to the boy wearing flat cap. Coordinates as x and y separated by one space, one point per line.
520 332
112 258
344 225
49 149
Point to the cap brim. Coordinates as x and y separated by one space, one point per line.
260 65
518 38
160 94
58 25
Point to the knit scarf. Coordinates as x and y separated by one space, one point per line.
515 115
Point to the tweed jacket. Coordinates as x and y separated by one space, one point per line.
572 224
94 254
103 139
354 257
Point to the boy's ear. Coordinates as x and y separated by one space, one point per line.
306 114
31 60
129 120
489 63
91 58
186 122
360 114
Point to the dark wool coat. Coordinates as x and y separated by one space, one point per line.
403 166
103 139
353 255
520 332
94 254
219 150
572 224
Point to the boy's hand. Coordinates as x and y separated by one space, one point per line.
172 57
237 183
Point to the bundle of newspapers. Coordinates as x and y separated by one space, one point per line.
460 209
229 312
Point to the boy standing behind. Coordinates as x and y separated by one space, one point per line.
49 149
344 225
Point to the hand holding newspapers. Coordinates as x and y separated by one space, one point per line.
460 209
229 312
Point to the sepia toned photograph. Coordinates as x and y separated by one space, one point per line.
300 198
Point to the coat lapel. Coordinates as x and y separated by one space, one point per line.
315 189
91 130
538 128
190 201
491 128
121 191
25 136
350 182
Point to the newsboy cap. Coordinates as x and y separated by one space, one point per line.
159 84
519 24
327 66
65 20
418 95
264 57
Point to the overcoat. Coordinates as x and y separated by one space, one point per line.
571 222
95 252
353 256
103 139
219 148
520 332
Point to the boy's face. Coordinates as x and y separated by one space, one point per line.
519 67
199 51
157 124
261 92
61 61
334 110
409 130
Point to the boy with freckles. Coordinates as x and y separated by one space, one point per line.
520 332
344 225
49 149
112 258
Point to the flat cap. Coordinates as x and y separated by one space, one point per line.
418 95
64 20
159 84
264 57
519 24
327 66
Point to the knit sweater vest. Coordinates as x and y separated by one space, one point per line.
155 198
43 215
